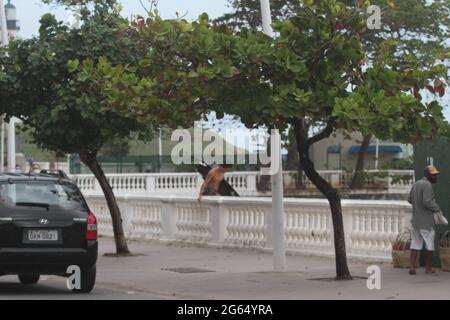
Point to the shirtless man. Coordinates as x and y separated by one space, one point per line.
210 186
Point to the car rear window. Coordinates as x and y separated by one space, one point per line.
62 194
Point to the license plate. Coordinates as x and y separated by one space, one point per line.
42 235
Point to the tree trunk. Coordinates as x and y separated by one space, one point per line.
333 197
358 176
300 171
292 163
90 161
299 184
264 182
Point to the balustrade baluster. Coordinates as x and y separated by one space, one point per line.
372 227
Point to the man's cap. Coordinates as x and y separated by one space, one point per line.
431 169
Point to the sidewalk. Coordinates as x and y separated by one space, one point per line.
209 273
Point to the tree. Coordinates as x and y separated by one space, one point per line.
116 147
318 55
65 109
420 27
303 75
247 14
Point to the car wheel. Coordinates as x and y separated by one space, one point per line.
29 278
88 276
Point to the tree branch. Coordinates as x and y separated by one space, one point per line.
325 133
143 6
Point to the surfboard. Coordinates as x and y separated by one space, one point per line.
225 189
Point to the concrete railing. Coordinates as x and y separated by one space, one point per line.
164 183
245 183
390 181
404 184
370 226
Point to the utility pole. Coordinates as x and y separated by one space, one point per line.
11 146
279 248
11 125
377 153
160 151
3 41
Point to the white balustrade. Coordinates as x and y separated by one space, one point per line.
145 221
99 206
246 226
370 225
128 183
164 183
177 182
245 183
403 185
340 178
193 222
374 225
86 182
308 227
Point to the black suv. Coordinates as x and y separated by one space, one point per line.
45 228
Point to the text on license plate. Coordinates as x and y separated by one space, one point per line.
43 235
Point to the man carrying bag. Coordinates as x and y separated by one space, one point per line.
423 219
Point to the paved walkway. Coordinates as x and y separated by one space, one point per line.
177 271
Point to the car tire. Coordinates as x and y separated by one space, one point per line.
88 276
29 278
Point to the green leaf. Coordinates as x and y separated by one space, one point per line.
72 65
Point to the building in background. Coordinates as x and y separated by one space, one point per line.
340 152
12 23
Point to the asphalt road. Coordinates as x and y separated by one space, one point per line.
176 271
54 288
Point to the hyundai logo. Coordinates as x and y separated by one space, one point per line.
43 221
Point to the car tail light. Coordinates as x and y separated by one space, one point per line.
91 233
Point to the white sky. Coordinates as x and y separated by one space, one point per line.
30 11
